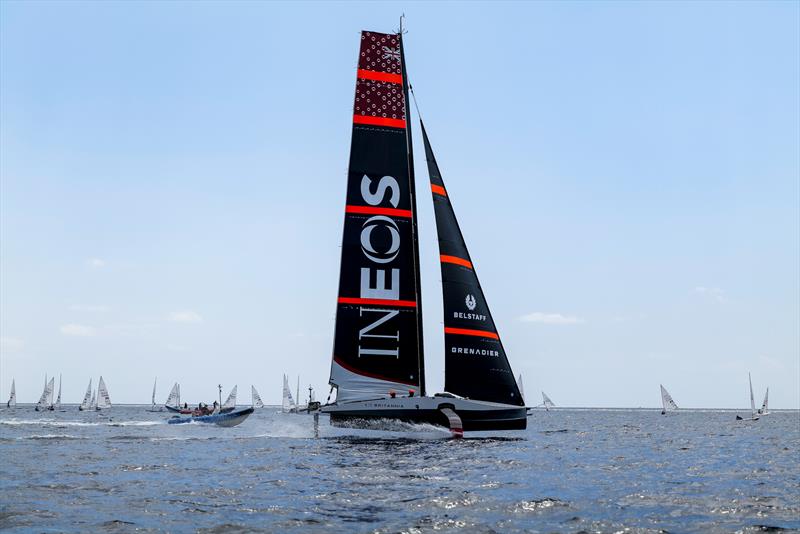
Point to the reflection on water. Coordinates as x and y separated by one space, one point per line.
571 471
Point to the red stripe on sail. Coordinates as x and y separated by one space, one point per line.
379 76
372 375
438 189
379 121
470 332
374 210
453 259
378 302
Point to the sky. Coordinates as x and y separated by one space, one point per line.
626 176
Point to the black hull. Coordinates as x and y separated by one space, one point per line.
473 421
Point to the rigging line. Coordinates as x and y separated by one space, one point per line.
414 98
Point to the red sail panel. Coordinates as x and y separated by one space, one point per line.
377 339
475 364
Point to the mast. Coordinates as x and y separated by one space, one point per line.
414 230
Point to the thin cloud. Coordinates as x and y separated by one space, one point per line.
77 330
93 308
185 316
11 344
96 263
550 318
711 292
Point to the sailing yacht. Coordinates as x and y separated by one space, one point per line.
86 404
12 400
256 398
378 365
667 404
753 412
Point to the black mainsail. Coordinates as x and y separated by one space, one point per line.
378 335
476 366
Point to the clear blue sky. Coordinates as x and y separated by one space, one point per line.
172 180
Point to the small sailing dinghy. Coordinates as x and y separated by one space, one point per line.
764 410
57 404
230 404
288 405
173 403
93 403
86 404
256 398
12 400
378 365
233 418
46 400
667 404
546 402
103 399
153 406
753 412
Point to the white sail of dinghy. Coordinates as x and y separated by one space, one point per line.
230 402
103 399
12 400
521 389
667 404
46 400
153 406
93 402
256 398
546 402
288 401
173 402
765 405
57 404
87 398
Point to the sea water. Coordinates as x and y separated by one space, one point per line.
571 471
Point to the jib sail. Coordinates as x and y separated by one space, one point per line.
378 335
476 366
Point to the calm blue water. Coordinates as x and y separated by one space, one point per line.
571 471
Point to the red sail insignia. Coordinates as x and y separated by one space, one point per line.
379 90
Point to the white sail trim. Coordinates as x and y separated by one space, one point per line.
257 402
230 402
351 386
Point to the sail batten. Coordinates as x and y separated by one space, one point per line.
472 344
378 332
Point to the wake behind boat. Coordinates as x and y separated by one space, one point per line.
229 419
378 365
